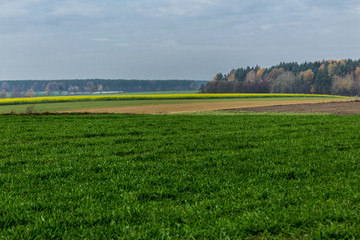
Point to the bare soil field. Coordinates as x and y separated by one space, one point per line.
255 106
338 108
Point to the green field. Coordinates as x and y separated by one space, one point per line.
65 106
64 93
180 176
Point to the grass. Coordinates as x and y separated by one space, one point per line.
180 176
64 106
161 92
43 94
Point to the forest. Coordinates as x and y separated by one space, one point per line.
338 77
23 88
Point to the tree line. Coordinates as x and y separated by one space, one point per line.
339 77
27 88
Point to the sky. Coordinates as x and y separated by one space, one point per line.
169 39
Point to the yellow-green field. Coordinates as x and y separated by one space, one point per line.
69 103
152 97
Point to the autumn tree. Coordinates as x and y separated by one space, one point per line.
232 77
218 77
274 74
322 77
344 85
284 83
260 72
322 67
3 94
308 76
251 77
304 81
357 73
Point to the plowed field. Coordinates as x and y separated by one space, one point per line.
210 106
338 108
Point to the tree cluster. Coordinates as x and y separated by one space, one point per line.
340 77
27 88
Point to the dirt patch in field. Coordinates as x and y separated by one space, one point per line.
194 107
338 108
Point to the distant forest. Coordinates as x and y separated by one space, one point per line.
339 77
23 88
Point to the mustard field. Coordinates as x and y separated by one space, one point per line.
34 100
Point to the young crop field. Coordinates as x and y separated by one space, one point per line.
180 176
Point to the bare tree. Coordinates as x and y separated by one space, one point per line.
100 88
3 94
30 93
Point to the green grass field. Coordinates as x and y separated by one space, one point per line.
64 93
64 106
180 176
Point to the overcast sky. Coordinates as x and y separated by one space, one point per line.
169 39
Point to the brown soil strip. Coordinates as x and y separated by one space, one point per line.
338 108
192 107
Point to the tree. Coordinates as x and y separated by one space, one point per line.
232 76
218 77
47 89
18 92
3 94
61 88
5 86
51 87
284 83
274 73
30 93
322 67
322 82
308 76
240 74
73 89
202 88
357 74
260 72
90 87
305 79
251 77
344 85
238 87
331 69
100 88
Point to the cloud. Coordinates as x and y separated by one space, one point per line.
164 8
77 8
191 37
19 8
103 39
